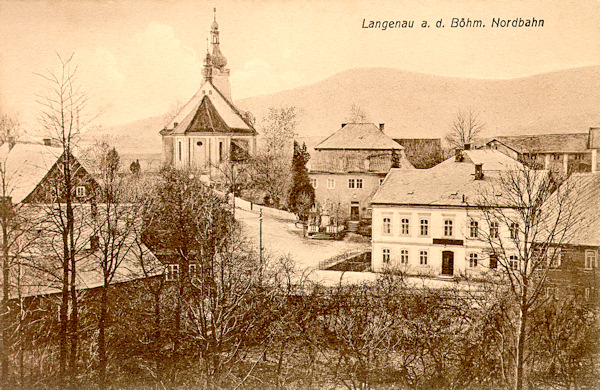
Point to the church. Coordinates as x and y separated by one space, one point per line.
209 130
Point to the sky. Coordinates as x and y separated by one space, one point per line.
137 59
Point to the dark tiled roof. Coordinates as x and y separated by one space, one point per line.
359 136
549 143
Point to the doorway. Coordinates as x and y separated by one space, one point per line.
354 211
447 263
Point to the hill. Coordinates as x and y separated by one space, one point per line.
414 105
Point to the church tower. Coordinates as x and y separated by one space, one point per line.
210 132
214 64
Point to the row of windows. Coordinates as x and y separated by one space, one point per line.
353 183
424 255
474 231
172 272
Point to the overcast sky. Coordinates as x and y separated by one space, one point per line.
137 58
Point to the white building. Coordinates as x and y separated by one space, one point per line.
209 130
425 221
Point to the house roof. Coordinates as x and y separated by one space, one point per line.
209 111
359 136
446 183
545 143
25 165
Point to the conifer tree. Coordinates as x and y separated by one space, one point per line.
302 193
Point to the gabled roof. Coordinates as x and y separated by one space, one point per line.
25 165
446 183
545 143
209 111
359 136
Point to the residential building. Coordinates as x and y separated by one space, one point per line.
32 174
347 168
209 130
577 268
577 152
425 220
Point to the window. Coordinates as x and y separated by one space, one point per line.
494 228
220 151
404 225
404 256
94 243
172 272
493 261
359 183
513 262
350 183
474 229
551 292
514 231
424 224
448 227
387 225
80 191
386 256
591 260
313 183
588 293
423 257
473 260
193 271
179 150
554 257
330 184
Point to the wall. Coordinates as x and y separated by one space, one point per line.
414 242
329 198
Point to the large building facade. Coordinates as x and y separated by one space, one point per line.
209 130
348 167
425 221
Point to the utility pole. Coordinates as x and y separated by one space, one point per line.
260 248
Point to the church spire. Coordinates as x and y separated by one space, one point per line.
215 62
218 59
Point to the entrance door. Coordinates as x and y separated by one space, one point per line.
447 263
354 212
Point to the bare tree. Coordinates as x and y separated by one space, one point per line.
10 128
464 129
63 115
271 167
357 114
524 238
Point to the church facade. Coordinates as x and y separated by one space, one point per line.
209 130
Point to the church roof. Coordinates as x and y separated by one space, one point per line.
359 136
209 112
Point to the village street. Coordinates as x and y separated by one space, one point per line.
283 238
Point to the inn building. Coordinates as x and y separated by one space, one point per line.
423 220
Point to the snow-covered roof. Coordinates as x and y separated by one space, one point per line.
209 108
25 165
446 183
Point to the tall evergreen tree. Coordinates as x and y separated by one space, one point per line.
302 193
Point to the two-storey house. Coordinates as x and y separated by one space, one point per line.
424 220
348 167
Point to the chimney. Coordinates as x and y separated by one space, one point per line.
381 127
344 124
478 171
458 157
47 142
175 124
467 146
